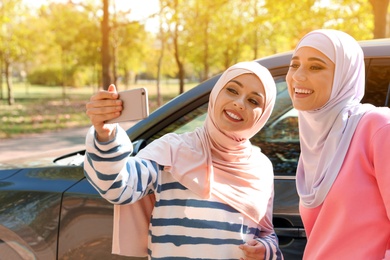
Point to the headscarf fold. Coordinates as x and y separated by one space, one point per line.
208 161
325 133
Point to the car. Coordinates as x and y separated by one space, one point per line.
53 212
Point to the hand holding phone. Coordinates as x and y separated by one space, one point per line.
135 105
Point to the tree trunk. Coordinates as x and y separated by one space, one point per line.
255 34
1 80
63 65
180 66
181 72
159 64
106 59
206 65
8 75
115 63
379 8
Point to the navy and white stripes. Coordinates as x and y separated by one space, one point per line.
183 225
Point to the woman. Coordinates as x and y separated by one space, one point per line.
343 174
212 191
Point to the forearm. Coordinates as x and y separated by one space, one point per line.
267 234
115 175
271 244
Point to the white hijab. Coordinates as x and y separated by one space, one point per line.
326 133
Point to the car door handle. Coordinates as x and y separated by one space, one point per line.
284 159
290 232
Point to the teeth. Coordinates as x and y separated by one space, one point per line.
303 91
233 115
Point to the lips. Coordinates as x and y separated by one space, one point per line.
233 116
303 91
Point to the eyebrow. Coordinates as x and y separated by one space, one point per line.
241 85
310 59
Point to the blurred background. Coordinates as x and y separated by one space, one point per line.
55 54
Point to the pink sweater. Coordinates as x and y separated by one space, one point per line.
354 220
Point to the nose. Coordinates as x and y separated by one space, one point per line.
299 74
239 103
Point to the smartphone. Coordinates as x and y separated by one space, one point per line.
135 105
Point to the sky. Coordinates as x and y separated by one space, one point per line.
140 9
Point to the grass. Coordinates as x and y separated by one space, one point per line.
39 109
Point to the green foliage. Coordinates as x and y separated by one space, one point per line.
46 76
57 76
41 109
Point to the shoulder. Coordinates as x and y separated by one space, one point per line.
375 124
377 114
262 161
377 117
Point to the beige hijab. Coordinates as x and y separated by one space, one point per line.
208 161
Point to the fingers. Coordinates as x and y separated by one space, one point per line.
102 110
103 94
112 89
104 105
253 249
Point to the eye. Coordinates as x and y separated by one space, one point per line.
294 66
253 101
232 90
316 67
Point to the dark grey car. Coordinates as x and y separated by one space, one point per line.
54 213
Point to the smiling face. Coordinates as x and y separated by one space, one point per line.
240 103
310 79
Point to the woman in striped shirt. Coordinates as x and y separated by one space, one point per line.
206 194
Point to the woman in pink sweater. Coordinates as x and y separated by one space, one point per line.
343 174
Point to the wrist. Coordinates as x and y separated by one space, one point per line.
107 135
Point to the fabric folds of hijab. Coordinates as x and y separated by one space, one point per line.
208 161
325 133
226 164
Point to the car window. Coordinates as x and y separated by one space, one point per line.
196 121
377 82
186 123
279 139
285 129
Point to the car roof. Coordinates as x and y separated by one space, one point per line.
376 47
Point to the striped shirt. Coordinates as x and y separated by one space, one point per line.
183 225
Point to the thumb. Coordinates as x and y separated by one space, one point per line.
252 242
112 88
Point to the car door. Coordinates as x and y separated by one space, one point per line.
377 81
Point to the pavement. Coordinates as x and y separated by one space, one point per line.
37 149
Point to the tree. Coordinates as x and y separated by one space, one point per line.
105 50
163 38
176 30
380 11
10 41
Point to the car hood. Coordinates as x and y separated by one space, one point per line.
26 163
70 159
6 173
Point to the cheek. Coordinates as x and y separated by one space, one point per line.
327 84
288 81
257 113
288 77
